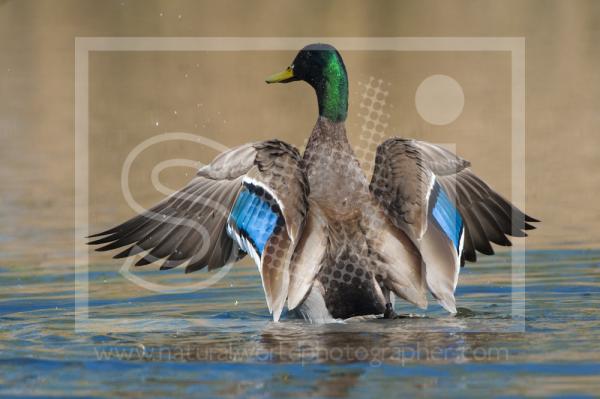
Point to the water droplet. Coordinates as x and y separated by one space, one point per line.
161 14
156 123
236 302
179 16
186 75
175 112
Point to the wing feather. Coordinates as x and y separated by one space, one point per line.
406 174
195 225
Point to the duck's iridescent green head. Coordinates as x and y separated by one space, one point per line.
322 67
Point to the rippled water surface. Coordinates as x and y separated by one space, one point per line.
221 341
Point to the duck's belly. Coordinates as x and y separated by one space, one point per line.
346 280
349 289
345 285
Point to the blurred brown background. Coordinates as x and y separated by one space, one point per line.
222 96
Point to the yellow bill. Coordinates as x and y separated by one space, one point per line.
282 77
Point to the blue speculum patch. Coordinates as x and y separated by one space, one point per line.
447 216
254 217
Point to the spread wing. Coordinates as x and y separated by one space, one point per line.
308 256
433 195
251 200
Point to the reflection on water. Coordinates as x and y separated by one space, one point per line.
221 341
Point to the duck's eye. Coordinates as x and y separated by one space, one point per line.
291 67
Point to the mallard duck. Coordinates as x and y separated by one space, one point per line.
326 240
